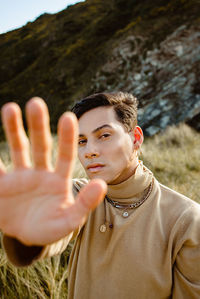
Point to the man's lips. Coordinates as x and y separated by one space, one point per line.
95 167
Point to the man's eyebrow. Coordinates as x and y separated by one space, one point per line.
101 127
98 129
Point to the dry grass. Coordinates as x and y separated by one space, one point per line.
45 279
173 157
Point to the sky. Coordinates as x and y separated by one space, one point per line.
16 13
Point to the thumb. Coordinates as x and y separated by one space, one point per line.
91 195
87 199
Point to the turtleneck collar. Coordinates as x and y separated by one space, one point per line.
133 187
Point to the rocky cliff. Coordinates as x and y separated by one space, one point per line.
151 49
165 79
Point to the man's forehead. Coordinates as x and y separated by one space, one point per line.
100 117
101 112
97 117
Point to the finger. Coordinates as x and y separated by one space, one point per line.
16 136
67 144
87 199
39 131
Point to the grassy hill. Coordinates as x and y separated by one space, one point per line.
57 56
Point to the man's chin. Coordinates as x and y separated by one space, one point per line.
98 176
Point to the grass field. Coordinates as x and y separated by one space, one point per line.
174 158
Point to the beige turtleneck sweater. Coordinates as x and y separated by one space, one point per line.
152 253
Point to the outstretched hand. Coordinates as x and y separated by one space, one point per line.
36 202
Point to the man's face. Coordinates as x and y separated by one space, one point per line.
106 149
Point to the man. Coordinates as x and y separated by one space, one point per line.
141 241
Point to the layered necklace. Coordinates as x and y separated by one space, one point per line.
124 206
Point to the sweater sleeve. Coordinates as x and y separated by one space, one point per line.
21 255
186 270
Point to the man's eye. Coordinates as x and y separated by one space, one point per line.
106 135
81 142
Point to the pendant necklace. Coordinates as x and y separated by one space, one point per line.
124 207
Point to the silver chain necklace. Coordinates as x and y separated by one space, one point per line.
124 207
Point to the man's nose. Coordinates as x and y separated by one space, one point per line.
91 155
91 152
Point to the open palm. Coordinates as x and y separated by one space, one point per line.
36 203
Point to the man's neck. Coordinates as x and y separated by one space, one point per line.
126 174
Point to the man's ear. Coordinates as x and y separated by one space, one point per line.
138 137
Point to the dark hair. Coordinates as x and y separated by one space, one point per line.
125 106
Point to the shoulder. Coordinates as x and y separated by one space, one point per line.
183 209
177 199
